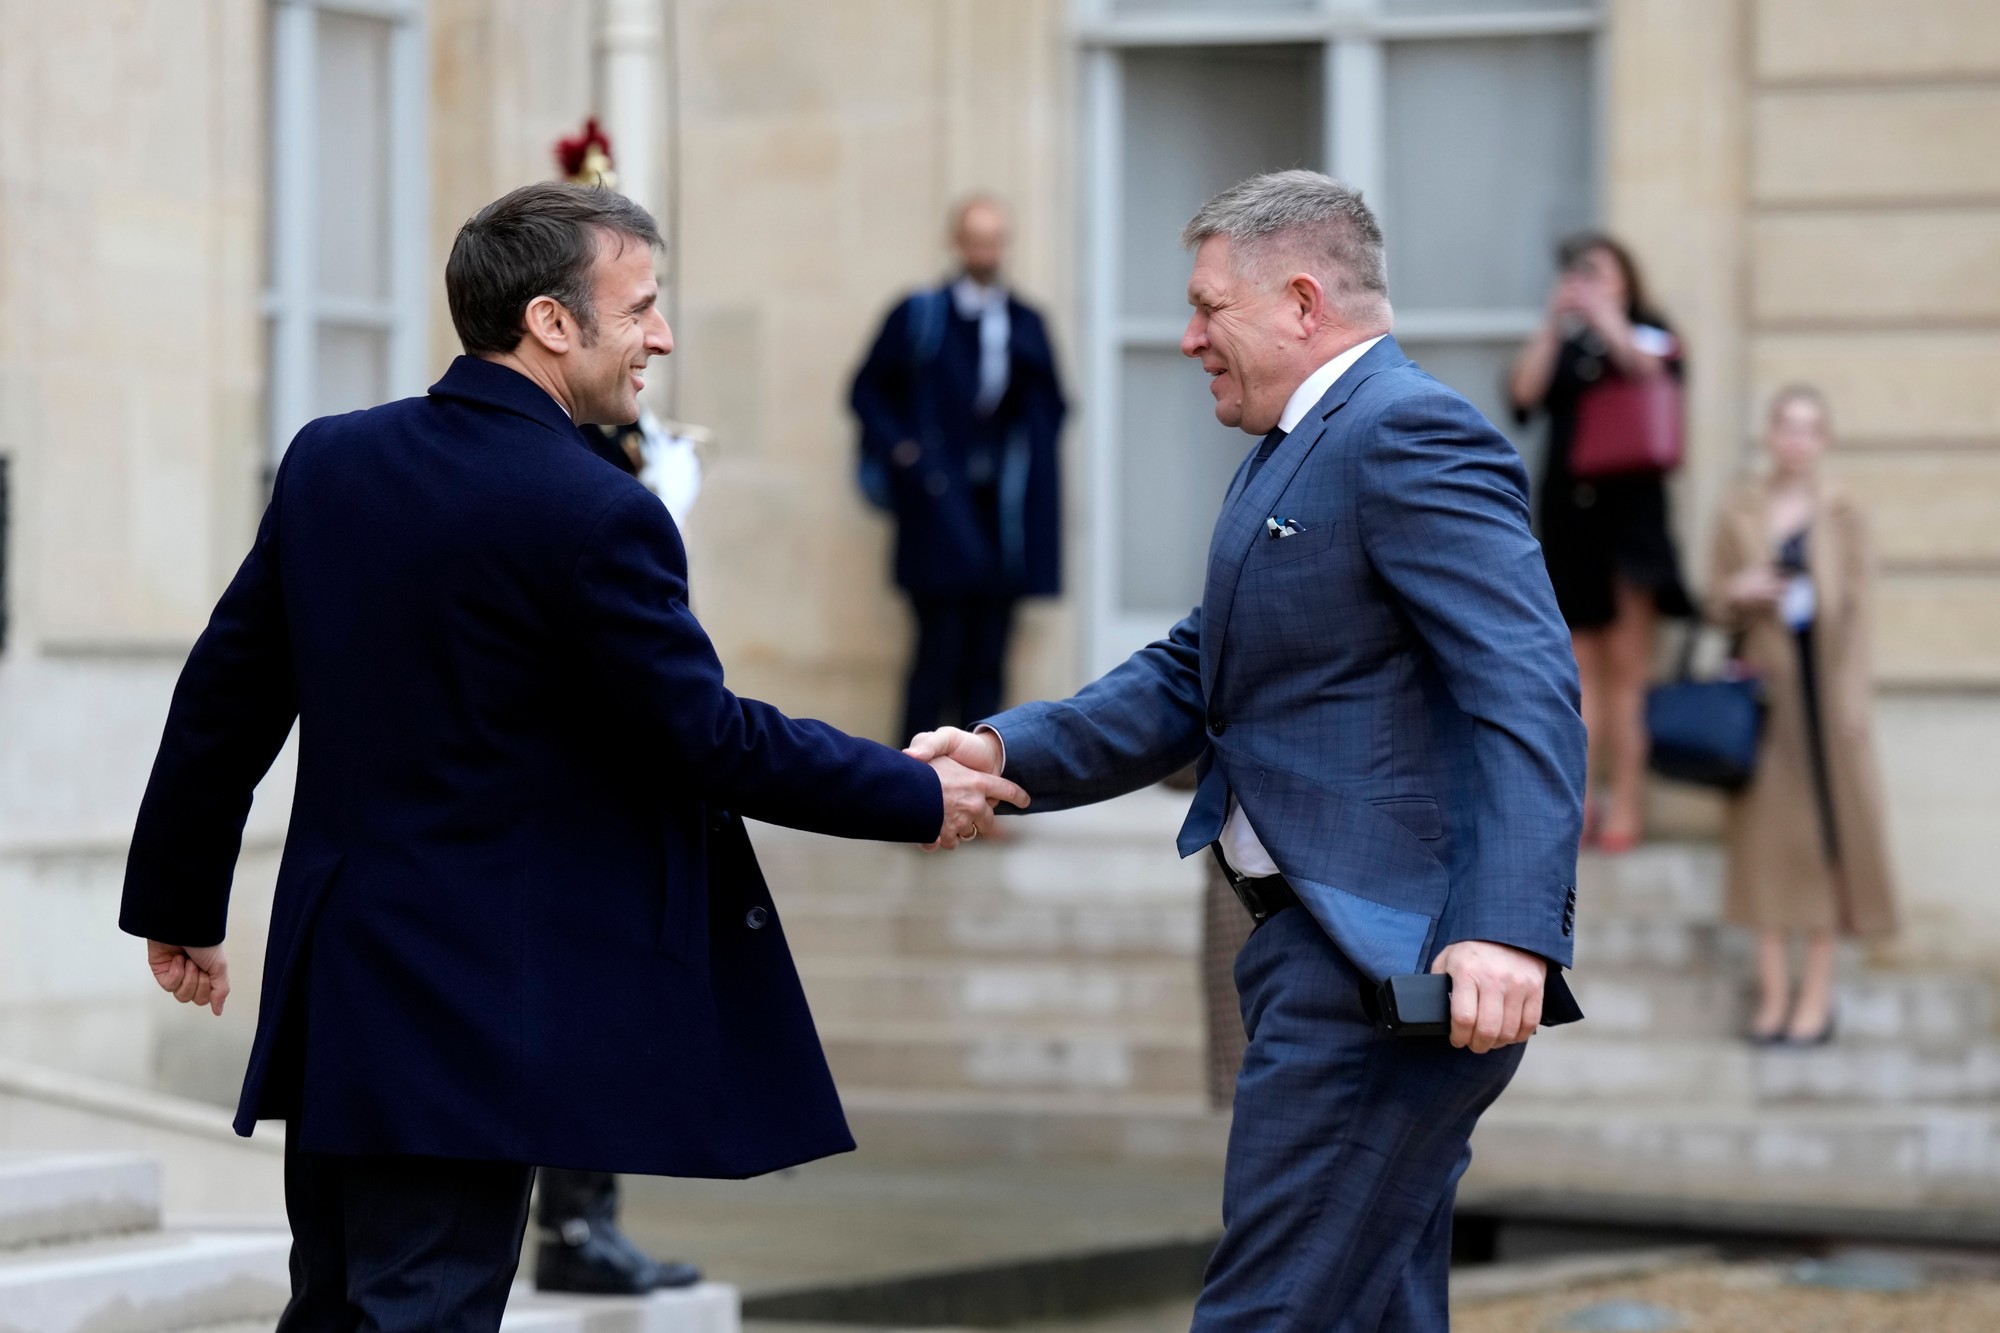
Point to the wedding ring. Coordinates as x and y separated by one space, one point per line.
969 834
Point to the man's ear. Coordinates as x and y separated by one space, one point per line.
1308 299
549 324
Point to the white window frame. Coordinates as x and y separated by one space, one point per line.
293 304
1353 36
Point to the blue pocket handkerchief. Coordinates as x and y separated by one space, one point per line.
1283 527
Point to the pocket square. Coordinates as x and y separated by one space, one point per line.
1283 527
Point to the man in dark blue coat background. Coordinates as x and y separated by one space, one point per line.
518 919
961 410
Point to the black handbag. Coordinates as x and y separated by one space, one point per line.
1706 732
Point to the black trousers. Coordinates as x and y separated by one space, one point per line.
575 1196
401 1244
961 656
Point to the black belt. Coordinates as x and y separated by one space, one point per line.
1263 897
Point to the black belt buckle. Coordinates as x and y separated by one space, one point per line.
1263 897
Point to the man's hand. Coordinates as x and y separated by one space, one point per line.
1496 993
975 749
192 976
969 797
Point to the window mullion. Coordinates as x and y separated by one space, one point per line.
294 36
409 207
1355 134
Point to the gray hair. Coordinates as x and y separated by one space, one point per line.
1314 217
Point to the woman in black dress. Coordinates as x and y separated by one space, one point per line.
1610 554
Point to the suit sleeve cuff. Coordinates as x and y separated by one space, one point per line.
983 730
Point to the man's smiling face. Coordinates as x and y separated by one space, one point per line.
1236 332
609 367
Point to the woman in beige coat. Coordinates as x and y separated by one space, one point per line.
1792 575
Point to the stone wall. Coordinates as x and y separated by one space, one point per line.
131 232
1815 186
823 145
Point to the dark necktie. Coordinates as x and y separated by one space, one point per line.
1264 452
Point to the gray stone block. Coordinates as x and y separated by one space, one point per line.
46 1200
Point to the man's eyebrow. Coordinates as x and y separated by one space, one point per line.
644 301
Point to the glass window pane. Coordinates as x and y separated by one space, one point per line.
1174 463
1198 119
1479 371
1489 165
352 126
1481 6
352 369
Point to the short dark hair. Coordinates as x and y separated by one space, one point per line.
539 240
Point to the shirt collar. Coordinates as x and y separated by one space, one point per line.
974 298
1319 382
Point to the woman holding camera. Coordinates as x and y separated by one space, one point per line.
1606 538
1791 575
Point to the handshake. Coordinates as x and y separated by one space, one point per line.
968 766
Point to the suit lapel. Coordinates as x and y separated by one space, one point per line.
1241 523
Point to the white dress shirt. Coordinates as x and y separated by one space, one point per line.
988 305
1240 843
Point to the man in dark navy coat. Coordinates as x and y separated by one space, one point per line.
960 412
518 920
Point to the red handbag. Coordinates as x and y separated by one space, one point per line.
1626 426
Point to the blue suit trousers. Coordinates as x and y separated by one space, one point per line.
1345 1152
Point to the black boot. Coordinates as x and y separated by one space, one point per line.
582 1249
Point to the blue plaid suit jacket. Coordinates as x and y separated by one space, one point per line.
1390 692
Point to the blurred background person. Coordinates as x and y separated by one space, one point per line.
1609 548
1792 575
960 409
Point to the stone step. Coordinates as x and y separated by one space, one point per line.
48 1200
1114 849
1897 1157
944 1127
1924 1008
708 1307
861 989
1568 1065
152 1283
953 1058
1659 881
946 927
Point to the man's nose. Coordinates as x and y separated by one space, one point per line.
660 340
1194 337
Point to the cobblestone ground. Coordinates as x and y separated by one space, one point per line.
1711 1298
1756 1298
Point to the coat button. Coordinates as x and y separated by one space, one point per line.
755 918
1217 724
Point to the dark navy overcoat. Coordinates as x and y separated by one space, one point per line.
921 388
518 917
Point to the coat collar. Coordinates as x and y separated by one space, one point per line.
474 379
1827 543
1241 523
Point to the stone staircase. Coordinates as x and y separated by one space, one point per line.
83 1250
1039 999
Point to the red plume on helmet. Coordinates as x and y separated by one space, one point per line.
585 158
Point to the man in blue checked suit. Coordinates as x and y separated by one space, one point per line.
1380 696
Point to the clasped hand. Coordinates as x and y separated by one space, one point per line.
197 976
968 768
1496 993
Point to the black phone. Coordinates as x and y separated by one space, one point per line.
1416 1006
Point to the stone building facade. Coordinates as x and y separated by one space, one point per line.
1812 184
